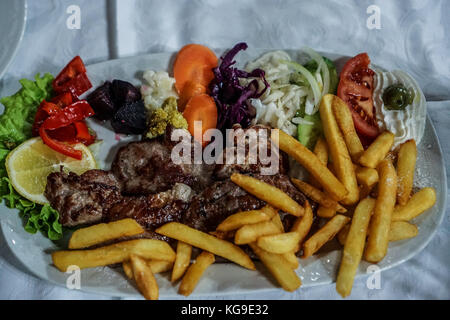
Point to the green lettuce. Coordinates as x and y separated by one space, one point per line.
15 127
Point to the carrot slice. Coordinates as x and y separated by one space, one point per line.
201 108
194 62
190 89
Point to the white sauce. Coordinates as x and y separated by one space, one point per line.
404 124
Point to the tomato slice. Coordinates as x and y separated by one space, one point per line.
356 89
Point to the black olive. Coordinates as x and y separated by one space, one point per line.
101 101
397 97
131 118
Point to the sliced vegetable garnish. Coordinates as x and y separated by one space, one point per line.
311 80
72 78
322 69
194 63
356 89
201 108
15 127
61 147
231 97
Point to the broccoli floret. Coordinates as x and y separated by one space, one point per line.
167 114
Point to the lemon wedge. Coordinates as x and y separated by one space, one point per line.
30 163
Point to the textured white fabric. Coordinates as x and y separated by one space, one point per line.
414 36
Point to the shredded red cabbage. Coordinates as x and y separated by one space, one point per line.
232 99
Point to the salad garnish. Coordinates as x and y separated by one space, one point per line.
16 127
356 87
193 71
231 95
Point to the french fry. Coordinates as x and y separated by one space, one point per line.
325 234
100 233
303 225
115 253
182 260
269 210
280 269
195 272
406 164
378 150
342 162
157 266
311 163
291 259
367 178
240 219
224 235
354 246
144 278
251 232
419 203
206 242
160 266
344 120
321 151
317 195
324 212
276 220
279 243
127 269
378 240
401 230
342 235
268 193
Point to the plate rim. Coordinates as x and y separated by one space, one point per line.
24 5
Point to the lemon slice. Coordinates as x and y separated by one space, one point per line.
30 163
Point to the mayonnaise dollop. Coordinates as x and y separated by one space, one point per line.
404 124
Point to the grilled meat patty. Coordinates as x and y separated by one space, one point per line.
82 199
95 197
146 167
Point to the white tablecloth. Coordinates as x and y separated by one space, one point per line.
414 36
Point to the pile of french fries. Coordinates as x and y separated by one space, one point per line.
371 203
364 200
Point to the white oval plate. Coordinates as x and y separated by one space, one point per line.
220 279
13 16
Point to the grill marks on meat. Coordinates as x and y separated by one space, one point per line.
82 199
146 167
95 196
252 138
144 184
224 198
154 210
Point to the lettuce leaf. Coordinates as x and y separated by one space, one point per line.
17 119
15 127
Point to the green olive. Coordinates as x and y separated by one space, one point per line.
397 97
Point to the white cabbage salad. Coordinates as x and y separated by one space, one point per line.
295 90
158 88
